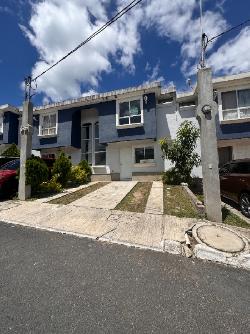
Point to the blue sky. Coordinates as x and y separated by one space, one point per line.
159 40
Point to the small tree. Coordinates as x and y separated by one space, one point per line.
181 152
12 151
62 167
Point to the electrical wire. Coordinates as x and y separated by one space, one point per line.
225 32
107 24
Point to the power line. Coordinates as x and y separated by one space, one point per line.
225 32
111 21
205 40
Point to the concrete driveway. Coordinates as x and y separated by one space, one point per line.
106 197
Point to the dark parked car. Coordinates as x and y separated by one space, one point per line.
8 176
235 183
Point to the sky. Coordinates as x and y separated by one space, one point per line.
156 40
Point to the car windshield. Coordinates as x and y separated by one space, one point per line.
11 165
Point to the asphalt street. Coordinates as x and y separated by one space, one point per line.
54 283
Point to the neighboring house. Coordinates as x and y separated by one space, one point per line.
118 132
233 126
8 126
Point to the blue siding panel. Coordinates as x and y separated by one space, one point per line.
10 128
13 128
233 131
67 135
107 120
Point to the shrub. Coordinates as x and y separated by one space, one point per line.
51 186
62 167
36 172
84 165
174 177
78 176
12 151
180 152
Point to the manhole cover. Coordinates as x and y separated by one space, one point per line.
220 238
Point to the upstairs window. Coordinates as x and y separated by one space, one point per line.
130 112
144 155
48 124
236 104
1 124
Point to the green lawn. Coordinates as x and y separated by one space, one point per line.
69 198
136 199
177 202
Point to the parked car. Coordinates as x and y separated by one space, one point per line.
8 176
235 183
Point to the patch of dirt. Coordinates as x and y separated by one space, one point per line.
136 199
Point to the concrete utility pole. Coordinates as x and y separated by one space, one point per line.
24 190
206 113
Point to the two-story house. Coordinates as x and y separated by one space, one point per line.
115 132
8 126
118 132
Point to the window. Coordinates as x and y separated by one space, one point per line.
11 165
48 124
187 104
240 168
92 150
100 149
144 155
130 112
236 104
1 124
87 142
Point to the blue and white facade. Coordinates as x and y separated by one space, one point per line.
9 120
118 132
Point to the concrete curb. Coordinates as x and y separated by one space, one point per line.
198 204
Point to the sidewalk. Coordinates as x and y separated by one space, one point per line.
93 216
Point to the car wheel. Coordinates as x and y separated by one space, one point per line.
245 204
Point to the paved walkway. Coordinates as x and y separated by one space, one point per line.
106 197
155 199
94 216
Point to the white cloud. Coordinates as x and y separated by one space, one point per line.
153 73
233 56
57 26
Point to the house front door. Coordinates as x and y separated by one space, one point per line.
125 163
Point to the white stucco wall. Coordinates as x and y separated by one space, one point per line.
241 150
169 118
113 156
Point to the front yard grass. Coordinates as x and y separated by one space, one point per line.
69 198
230 218
177 203
136 199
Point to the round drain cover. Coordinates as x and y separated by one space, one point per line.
220 238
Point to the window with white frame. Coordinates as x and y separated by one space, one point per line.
1 124
130 112
144 155
48 124
235 104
